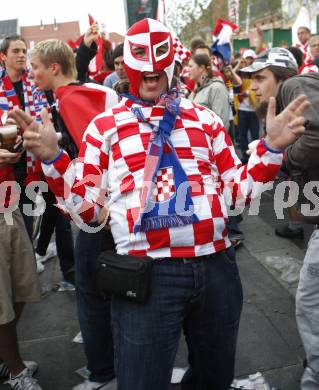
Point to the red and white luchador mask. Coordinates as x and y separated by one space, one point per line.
148 47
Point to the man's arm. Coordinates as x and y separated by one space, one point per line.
303 153
241 183
86 52
83 57
236 79
79 186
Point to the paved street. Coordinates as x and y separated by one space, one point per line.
268 339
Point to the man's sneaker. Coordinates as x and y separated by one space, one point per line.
51 252
177 375
24 381
5 373
286 232
40 267
236 242
88 385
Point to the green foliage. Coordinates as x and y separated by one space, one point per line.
243 12
182 13
201 24
197 28
258 10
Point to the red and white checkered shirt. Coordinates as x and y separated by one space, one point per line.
114 148
309 68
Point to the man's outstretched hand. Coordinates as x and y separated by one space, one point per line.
91 34
41 140
283 129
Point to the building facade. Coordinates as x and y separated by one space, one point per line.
65 31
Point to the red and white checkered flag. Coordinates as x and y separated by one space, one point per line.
180 50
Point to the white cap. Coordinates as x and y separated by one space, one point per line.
249 53
277 56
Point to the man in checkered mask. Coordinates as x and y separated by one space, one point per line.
168 168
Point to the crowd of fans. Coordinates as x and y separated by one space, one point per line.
222 107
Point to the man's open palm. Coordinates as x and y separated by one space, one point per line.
41 140
283 129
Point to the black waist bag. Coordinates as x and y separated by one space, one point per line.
125 276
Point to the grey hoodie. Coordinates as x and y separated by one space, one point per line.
213 94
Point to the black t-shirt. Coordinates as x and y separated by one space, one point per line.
20 168
18 87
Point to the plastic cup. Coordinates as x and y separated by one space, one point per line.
8 137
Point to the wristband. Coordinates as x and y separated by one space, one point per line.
55 158
272 150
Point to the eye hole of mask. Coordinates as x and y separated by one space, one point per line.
161 50
140 52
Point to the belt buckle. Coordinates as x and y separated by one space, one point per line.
186 260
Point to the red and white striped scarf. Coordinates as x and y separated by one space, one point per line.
34 101
6 174
306 56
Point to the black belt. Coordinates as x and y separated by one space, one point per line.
190 259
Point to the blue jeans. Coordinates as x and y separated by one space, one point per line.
94 311
307 313
247 120
203 296
53 219
234 233
64 245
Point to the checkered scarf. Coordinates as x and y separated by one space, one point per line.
166 195
34 101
